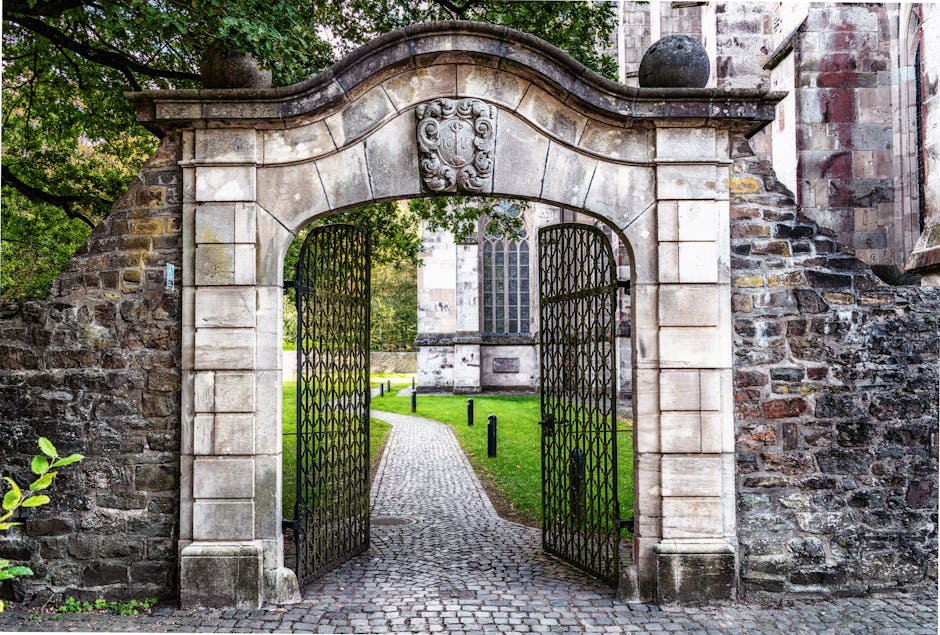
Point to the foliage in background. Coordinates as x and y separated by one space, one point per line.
70 140
114 607
16 498
394 308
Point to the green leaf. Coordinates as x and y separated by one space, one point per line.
45 445
4 564
42 482
20 571
71 458
40 464
10 499
5 526
36 501
13 486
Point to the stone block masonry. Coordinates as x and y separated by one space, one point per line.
836 413
96 369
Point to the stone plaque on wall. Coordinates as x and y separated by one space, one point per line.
505 364
456 141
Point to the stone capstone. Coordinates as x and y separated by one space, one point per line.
223 67
676 61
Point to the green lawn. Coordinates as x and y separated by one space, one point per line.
378 432
399 380
516 471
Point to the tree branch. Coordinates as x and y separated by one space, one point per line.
458 11
117 61
65 203
52 9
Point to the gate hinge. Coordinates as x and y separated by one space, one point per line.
625 285
289 284
626 523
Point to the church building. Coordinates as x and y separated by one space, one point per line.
855 142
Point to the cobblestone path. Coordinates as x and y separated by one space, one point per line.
443 561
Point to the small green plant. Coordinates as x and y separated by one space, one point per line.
16 497
114 607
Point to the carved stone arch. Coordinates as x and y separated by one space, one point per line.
260 164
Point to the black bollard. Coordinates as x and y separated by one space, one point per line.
389 386
491 437
381 390
412 383
414 401
469 412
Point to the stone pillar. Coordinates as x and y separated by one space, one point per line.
467 336
231 547
696 547
436 311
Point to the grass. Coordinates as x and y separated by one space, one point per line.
378 434
514 476
399 380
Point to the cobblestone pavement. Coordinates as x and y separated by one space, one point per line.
443 561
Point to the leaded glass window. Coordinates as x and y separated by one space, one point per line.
504 268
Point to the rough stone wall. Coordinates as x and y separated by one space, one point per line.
836 391
95 368
393 362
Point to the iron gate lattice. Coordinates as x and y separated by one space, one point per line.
332 515
577 302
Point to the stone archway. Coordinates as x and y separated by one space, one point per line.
259 164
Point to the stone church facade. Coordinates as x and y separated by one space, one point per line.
855 140
478 305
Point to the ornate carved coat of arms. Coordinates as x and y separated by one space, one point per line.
456 140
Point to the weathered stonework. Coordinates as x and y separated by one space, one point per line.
836 412
96 369
455 141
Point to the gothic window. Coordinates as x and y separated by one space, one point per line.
919 140
504 264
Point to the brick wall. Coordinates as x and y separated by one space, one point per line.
836 392
95 368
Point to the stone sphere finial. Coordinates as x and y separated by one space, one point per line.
675 61
223 67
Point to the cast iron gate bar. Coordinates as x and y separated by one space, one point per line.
332 515
577 301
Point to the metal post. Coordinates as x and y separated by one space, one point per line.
412 383
388 387
414 401
381 390
469 412
491 437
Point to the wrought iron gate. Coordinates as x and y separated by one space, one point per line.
332 515
577 303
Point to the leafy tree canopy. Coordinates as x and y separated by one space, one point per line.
70 141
